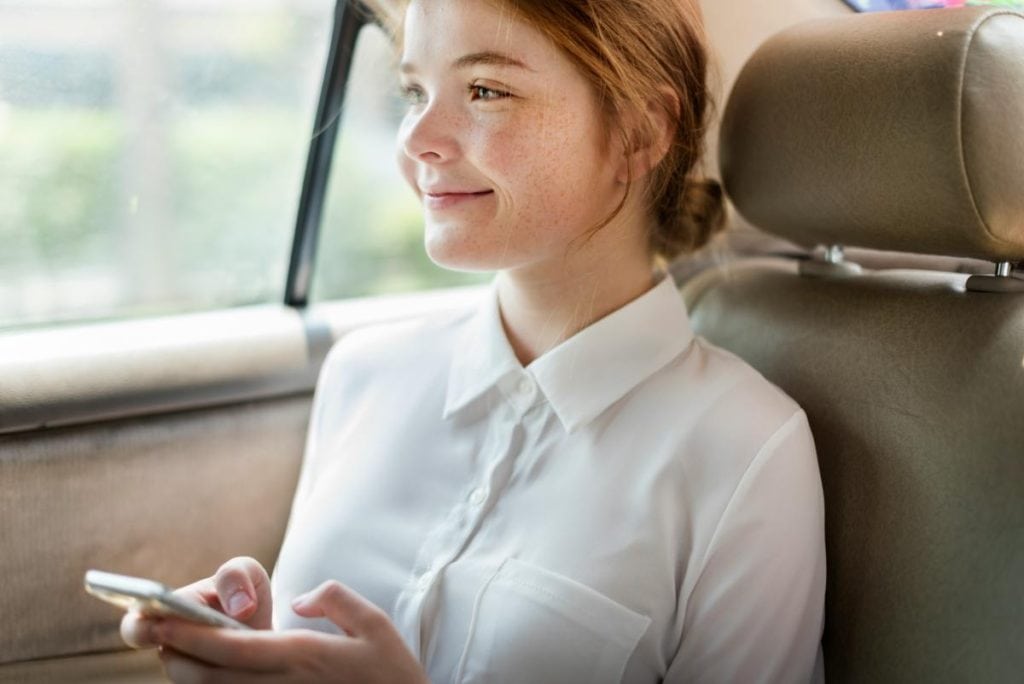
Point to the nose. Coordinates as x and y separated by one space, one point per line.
429 135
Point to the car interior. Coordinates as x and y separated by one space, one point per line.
872 270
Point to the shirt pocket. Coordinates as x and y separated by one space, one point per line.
530 624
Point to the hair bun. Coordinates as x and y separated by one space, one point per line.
698 215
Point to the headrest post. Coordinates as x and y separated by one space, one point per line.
1005 280
834 254
830 264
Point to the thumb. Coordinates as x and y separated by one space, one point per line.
344 607
243 591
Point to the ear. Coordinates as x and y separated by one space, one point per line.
646 152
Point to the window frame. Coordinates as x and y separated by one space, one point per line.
350 16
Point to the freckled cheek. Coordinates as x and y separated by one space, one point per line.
529 166
497 157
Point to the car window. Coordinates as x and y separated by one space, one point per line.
371 238
886 5
152 153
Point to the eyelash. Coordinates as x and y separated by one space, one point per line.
497 94
410 94
413 94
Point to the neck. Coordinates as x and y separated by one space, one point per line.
543 308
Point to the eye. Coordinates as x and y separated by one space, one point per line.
413 95
479 92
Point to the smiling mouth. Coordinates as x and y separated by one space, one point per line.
452 199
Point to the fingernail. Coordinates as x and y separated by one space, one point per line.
300 599
238 602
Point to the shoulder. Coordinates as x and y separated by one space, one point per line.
746 453
728 398
400 349
723 422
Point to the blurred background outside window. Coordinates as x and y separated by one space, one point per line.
371 240
152 153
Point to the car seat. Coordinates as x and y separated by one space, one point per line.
896 131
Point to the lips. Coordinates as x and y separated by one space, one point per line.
441 192
445 198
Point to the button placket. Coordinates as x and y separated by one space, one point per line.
478 496
448 541
521 393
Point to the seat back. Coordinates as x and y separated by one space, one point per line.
881 131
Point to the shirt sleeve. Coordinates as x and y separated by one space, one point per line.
757 609
325 396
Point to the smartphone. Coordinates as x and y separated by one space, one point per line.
152 598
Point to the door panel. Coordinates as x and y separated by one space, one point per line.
159 448
168 497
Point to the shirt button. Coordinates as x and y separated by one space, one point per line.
478 496
525 386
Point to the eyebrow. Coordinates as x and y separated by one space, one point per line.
488 58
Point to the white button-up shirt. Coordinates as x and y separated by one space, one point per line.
636 505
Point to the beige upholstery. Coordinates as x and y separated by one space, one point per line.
125 667
168 497
900 131
737 28
915 394
893 131
70 375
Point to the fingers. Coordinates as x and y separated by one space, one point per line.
201 591
243 592
137 628
240 588
138 631
255 650
184 670
355 615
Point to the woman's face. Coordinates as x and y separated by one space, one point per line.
503 139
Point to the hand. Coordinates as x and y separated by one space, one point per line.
240 588
370 651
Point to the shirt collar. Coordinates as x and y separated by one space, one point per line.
482 355
585 374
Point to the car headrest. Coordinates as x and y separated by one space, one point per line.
897 131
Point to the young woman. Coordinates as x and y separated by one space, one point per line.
562 485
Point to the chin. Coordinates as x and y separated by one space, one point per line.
455 254
454 260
